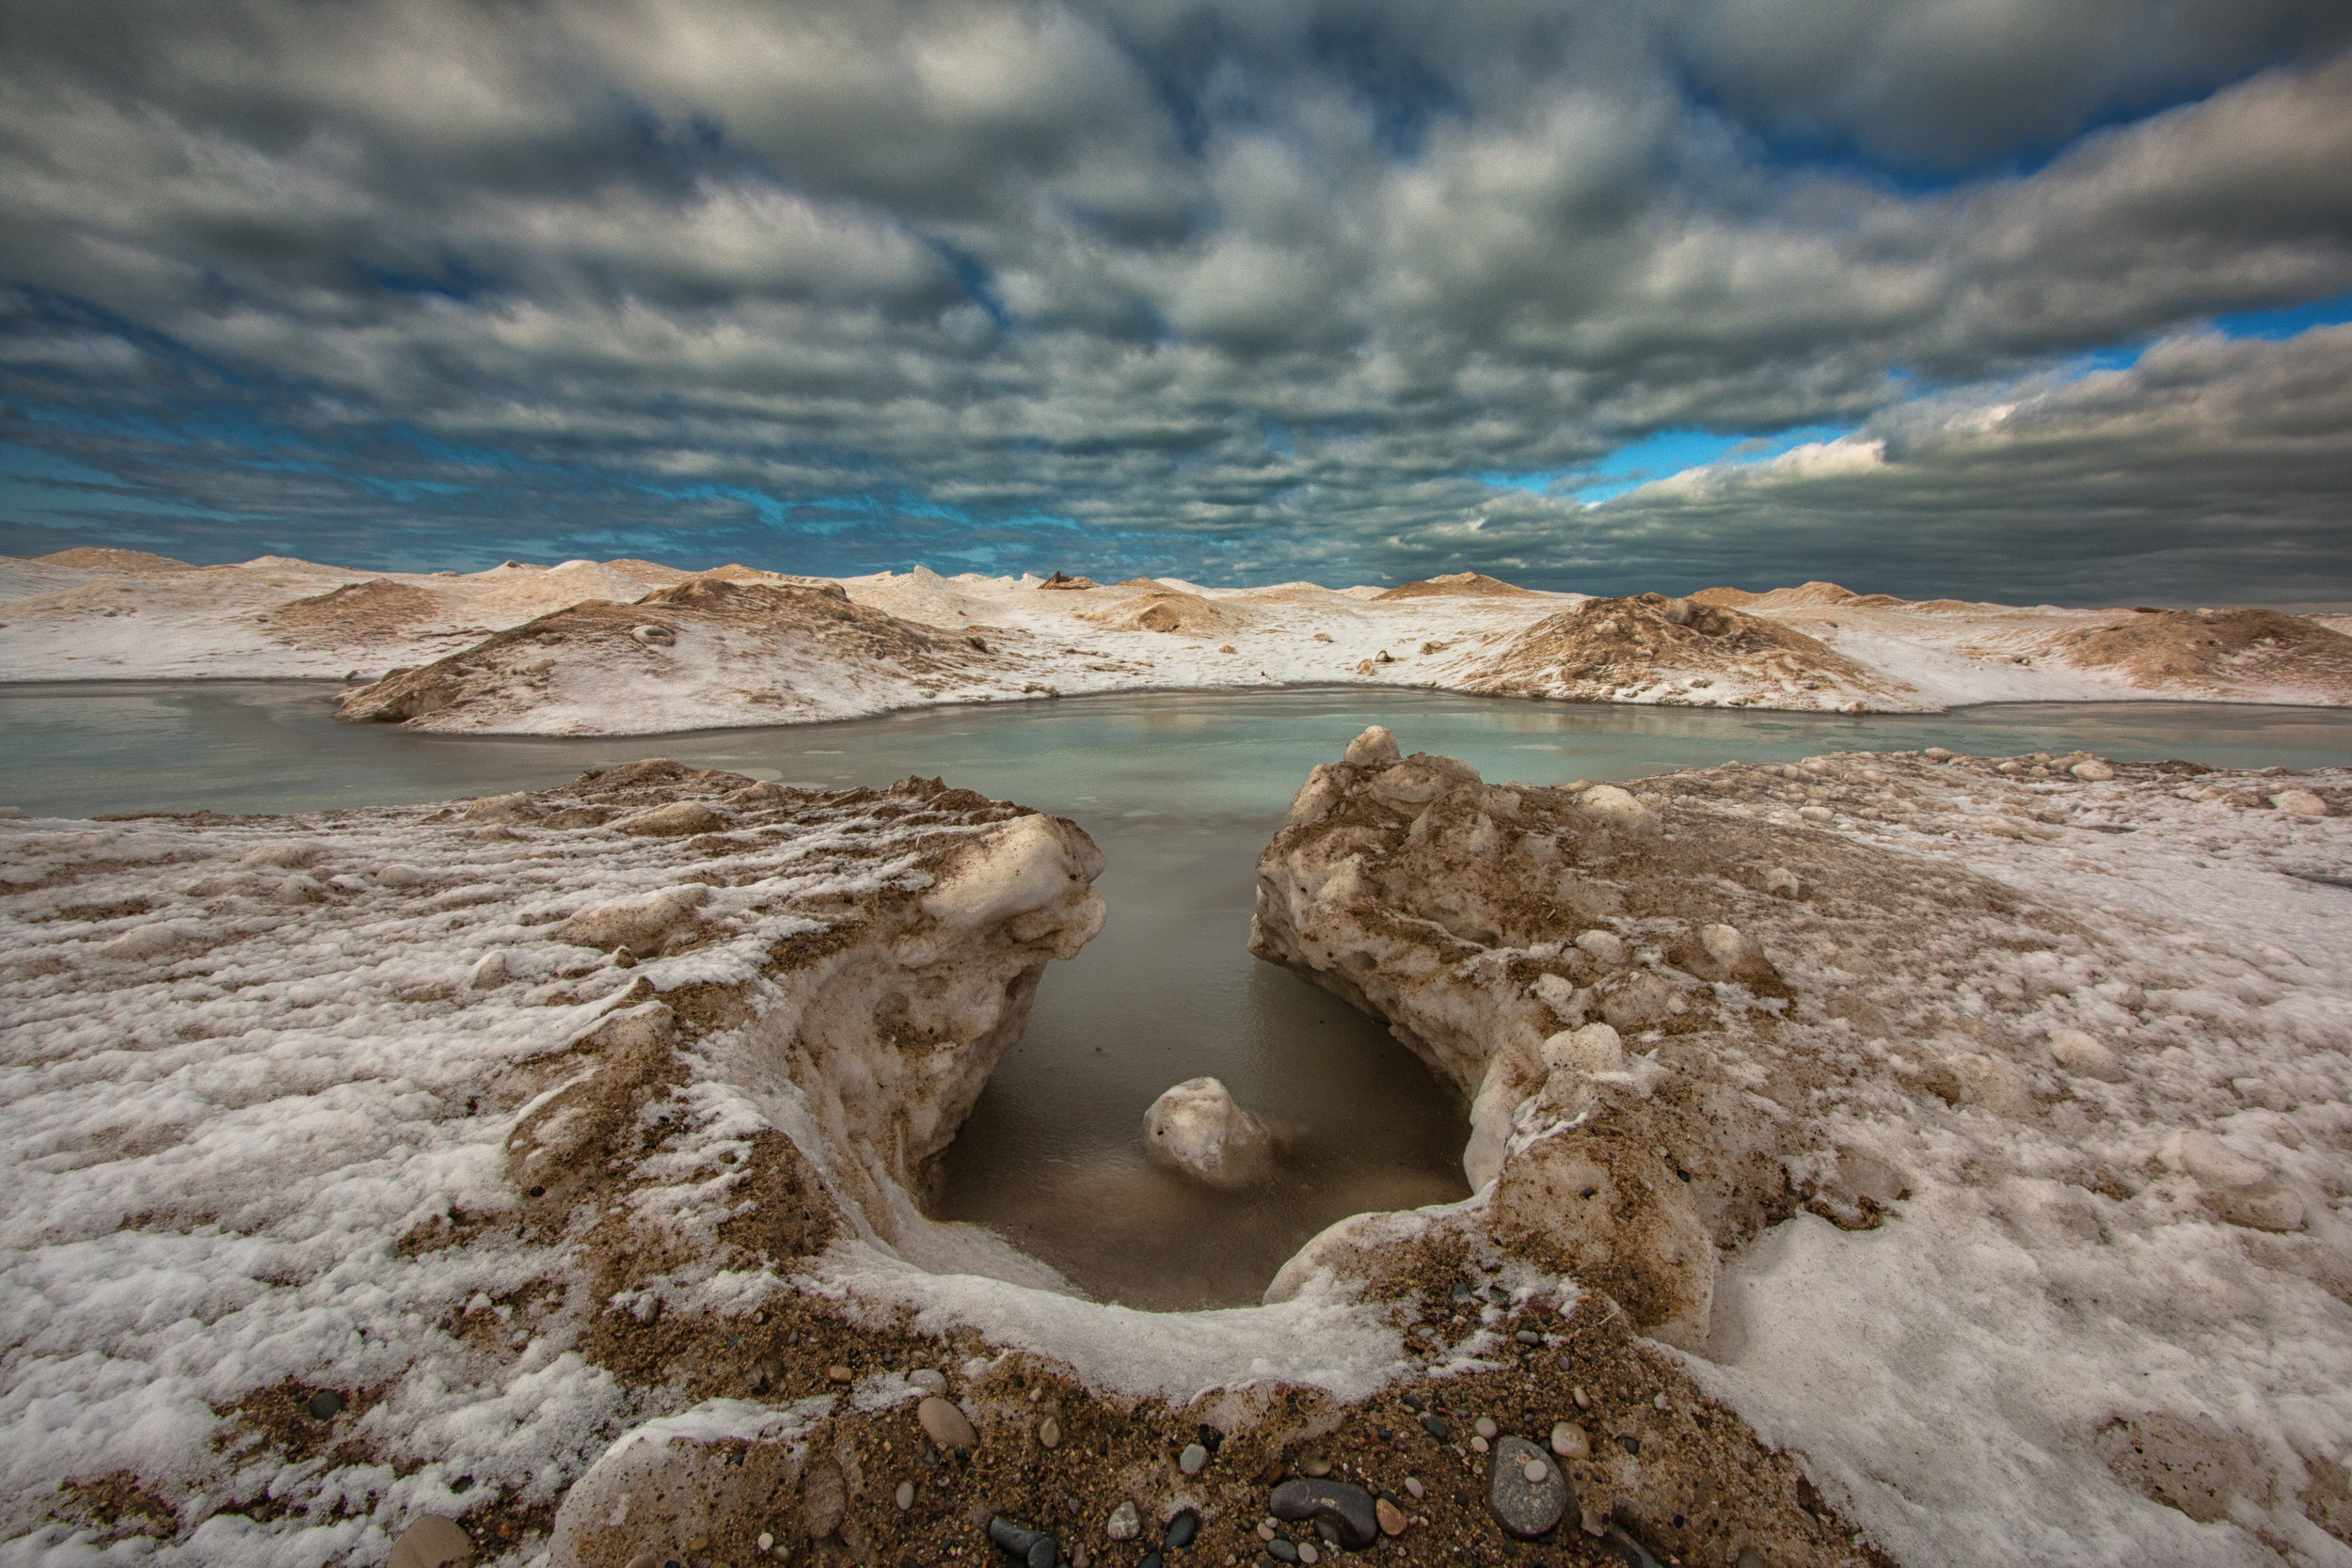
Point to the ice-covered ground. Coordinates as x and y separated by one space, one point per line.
2010 1108
2018 1097
551 650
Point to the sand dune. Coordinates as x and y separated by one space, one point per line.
104 613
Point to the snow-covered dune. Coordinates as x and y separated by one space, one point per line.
118 614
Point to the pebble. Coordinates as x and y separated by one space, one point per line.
944 1425
1345 1506
1181 1530
1569 1442
490 974
1308 1555
1193 1459
1034 1548
767 1541
433 1541
1478 1444
1528 1336
1281 1550
1435 1427
1412 1484
824 1499
931 1382
840 1374
1315 1464
1582 1402
1125 1524
1484 1426
905 1497
2093 771
1266 1529
1391 1516
325 1405
1661 1401
645 1560
1525 1491
1049 1432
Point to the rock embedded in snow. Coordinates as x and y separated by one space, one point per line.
1606 946
2244 1192
2093 771
1781 882
1720 951
674 820
1198 1129
641 925
2300 802
1618 809
432 1542
2083 1054
1376 747
488 973
1594 1048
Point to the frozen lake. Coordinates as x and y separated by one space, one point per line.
1181 791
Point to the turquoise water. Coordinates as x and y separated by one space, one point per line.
1181 791
82 750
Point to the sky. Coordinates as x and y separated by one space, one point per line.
1976 298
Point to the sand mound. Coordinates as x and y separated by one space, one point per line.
651 573
1680 653
2221 650
98 558
1459 585
358 610
784 648
1167 611
1731 598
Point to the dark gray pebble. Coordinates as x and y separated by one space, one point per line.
1528 1336
1152 1559
1435 1427
1630 1444
1034 1548
325 1404
1343 1506
1411 1402
1181 1530
1281 1550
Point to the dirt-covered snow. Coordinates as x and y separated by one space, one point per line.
1982 1129
1980 1132
115 614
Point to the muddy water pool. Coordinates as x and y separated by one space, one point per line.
1182 790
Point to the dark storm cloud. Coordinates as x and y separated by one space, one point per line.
1225 290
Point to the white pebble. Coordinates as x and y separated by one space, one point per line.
2300 802
1192 1459
2093 771
929 1381
1308 1555
1661 1401
1534 1471
1484 1426
1412 1484
1478 1444
905 1497
767 1542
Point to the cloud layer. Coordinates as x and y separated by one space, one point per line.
1235 291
